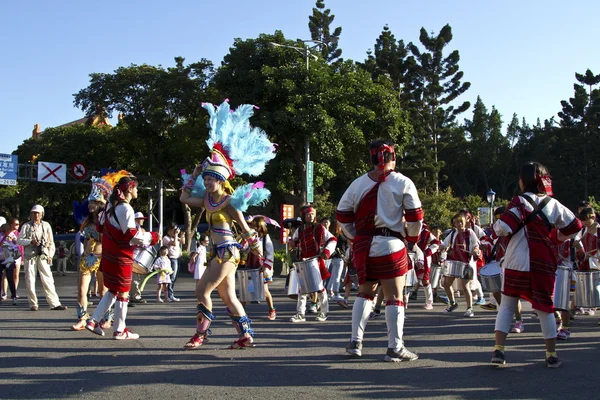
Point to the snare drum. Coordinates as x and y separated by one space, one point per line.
454 269
309 275
562 287
490 277
587 289
411 278
293 285
143 257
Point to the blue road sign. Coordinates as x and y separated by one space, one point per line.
9 165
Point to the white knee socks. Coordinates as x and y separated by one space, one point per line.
394 319
360 315
105 304
120 314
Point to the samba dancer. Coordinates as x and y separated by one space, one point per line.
119 238
236 148
92 247
531 258
373 211
313 240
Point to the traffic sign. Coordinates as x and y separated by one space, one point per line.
9 164
52 172
310 190
79 170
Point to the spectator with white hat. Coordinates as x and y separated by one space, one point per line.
38 244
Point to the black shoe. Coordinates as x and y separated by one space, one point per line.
59 308
413 295
498 357
402 355
354 348
552 362
137 301
131 304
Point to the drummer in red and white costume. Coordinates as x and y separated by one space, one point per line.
461 244
119 238
429 245
530 262
312 240
372 213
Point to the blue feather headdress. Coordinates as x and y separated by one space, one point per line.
236 148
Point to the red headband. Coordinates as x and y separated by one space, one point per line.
380 151
306 210
126 185
544 184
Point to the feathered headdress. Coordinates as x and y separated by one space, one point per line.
102 187
236 147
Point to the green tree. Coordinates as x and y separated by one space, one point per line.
320 29
388 59
161 108
339 110
433 84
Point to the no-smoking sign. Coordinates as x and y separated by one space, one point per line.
79 170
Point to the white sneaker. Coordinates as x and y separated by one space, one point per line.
428 306
469 313
94 327
298 318
321 317
125 335
312 309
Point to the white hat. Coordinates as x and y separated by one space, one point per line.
37 208
139 215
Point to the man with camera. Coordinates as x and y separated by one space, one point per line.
38 245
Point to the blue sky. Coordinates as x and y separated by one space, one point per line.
520 56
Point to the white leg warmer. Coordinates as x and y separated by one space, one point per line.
505 313
120 315
394 319
360 315
547 323
428 294
301 304
105 304
324 301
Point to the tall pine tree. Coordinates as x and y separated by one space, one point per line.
432 85
319 26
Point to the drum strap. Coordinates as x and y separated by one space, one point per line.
537 210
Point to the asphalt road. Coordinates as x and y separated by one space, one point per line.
42 358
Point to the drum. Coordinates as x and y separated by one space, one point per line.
454 269
587 289
293 287
490 277
435 275
251 285
143 257
594 263
562 287
411 278
309 275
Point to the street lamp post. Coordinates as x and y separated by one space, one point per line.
306 51
491 196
